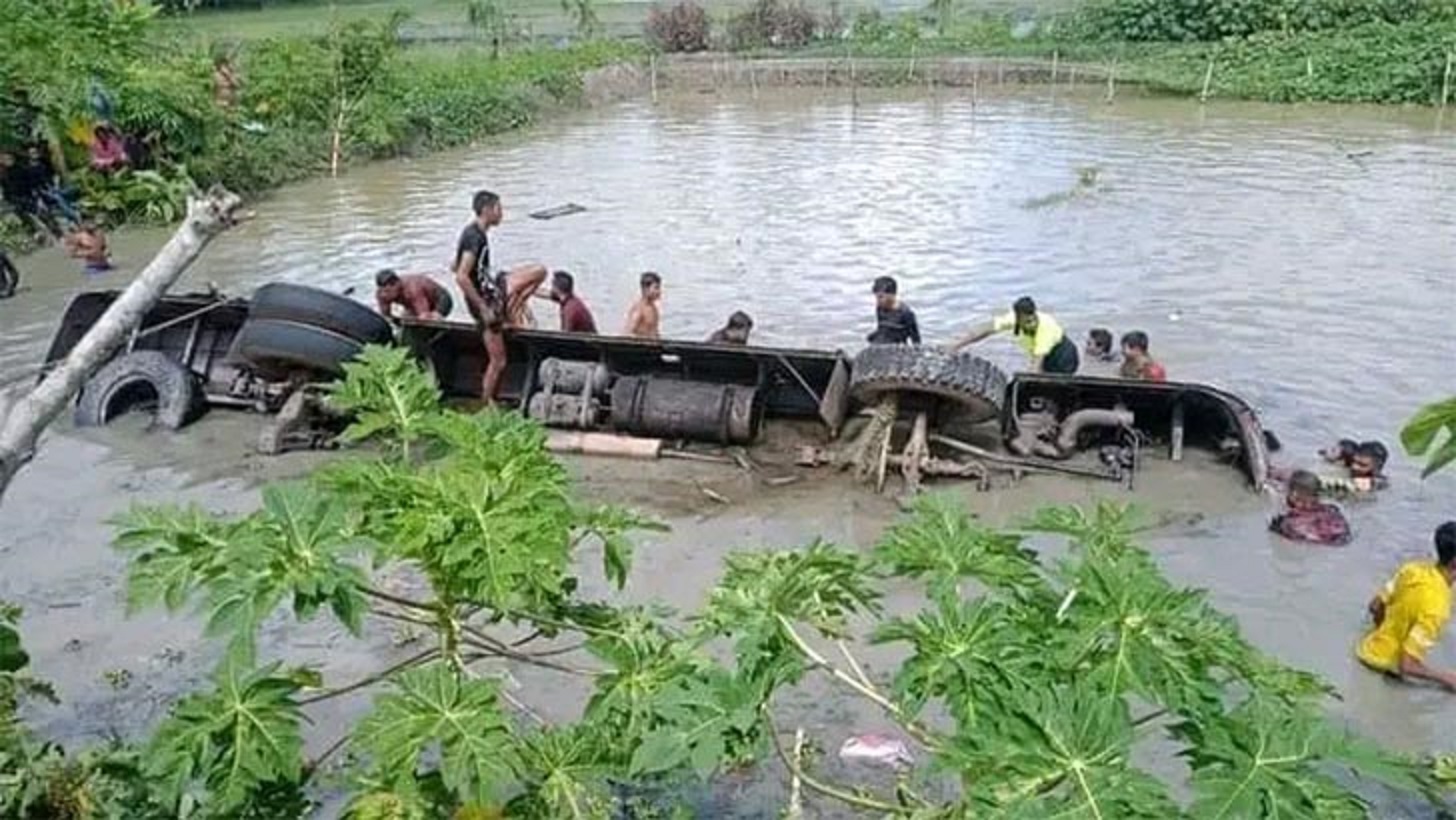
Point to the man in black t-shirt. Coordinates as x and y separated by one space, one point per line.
496 300
894 320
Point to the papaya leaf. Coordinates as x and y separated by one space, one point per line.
1109 527
963 653
1436 421
388 395
231 742
1133 632
820 584
565 772
610 525
171 552
438 707
489 521
1062 751
941 540
1266 759
12 656
701 719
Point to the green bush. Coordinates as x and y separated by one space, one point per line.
1378 62
1208 20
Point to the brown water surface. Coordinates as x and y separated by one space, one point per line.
1299 256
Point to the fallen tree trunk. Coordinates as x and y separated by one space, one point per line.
26 418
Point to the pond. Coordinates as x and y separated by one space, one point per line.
1301 257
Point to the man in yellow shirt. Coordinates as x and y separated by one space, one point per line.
1038 333
1409 614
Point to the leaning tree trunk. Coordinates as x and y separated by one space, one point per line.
22 422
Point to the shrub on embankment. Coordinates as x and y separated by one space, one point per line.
356 88
1208 20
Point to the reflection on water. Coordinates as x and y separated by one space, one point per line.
1261 248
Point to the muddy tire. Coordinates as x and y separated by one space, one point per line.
277 347
975 386
310 306
140 380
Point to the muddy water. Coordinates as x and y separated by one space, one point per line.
1301 257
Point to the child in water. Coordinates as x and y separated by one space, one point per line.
88 244
1099 345
1306 518
736 332
1365 463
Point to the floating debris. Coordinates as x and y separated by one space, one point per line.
560 210
882 750
1087 177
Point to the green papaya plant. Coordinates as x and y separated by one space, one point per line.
1032 683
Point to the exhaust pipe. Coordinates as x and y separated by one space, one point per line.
1075 423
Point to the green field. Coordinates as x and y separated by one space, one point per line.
445 19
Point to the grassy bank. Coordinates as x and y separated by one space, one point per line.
1376 62
305 104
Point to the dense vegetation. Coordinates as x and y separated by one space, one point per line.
357 89
1026 684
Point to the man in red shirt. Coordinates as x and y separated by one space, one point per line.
420 296
576 317
1136 363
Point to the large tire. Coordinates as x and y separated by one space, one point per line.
140 379
330 311
976 386
277 347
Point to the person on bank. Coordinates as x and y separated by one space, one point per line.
1409 614
736 332
1038 333
576 317
418 296
895 322
494 299
644 320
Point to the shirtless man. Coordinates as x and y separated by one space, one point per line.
644 319
417 295
496 300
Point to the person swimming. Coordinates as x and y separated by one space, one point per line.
736 332
88 243
1308 519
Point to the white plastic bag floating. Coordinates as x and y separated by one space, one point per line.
881 750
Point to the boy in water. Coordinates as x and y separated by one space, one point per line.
1099 345
1136 363
736 332
88 244
894 320
644 319
1308 519
1409 614
1366 465
417 295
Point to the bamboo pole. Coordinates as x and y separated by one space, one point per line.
1446 83
1056 58
1207 82
652 65
1111 83
853 80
